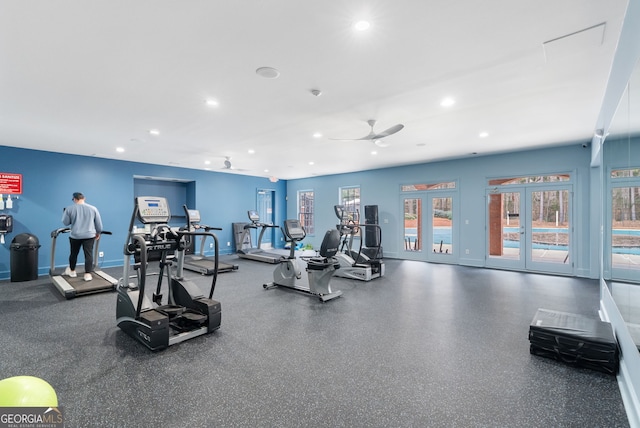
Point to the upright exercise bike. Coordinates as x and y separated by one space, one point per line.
320 268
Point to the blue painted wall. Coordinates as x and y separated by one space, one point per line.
49 179
382 187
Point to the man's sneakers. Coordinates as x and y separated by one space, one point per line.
72 274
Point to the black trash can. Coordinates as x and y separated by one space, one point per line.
24 257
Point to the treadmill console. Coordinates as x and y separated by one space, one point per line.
153 209
194 216
254 216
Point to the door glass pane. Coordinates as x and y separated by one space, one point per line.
550 226
625 228
442 224
412 224
265 211
504 225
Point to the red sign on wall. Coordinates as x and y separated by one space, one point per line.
10 183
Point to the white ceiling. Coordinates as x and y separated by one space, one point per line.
85 77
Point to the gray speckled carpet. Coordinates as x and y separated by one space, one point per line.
427 345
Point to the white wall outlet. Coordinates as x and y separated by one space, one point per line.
228 244
211 245
101 254
466 251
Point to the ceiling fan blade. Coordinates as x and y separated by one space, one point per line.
372 136
368 137
388 132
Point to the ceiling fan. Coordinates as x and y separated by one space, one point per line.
376 137
227 164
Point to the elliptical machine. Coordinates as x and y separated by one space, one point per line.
187 313
356 264
320 268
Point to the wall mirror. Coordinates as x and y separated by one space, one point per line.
621 243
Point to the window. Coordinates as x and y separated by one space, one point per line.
530 180
625 219
432 186
305 210
350 199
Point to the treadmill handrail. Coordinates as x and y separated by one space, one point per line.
54 237
56 232
263 229
204 238
214 277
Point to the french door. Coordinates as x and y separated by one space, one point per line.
430 227
529 228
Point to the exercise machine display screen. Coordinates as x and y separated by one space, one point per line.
294 229
194 216
254 216
153 209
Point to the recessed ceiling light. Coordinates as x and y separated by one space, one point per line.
251 151
154 132
266 170
374 153
212 103
362 25
447 102
120 149
483 134
268 72
207 162
311 163
317 135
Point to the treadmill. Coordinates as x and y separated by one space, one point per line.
244 246
76 287
199 262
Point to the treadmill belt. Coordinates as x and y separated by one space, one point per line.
85 287
575 340
202 265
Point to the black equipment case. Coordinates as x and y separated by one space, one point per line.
574 339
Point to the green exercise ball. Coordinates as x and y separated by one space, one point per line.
27 391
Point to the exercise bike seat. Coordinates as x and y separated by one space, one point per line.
317 263
328 250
